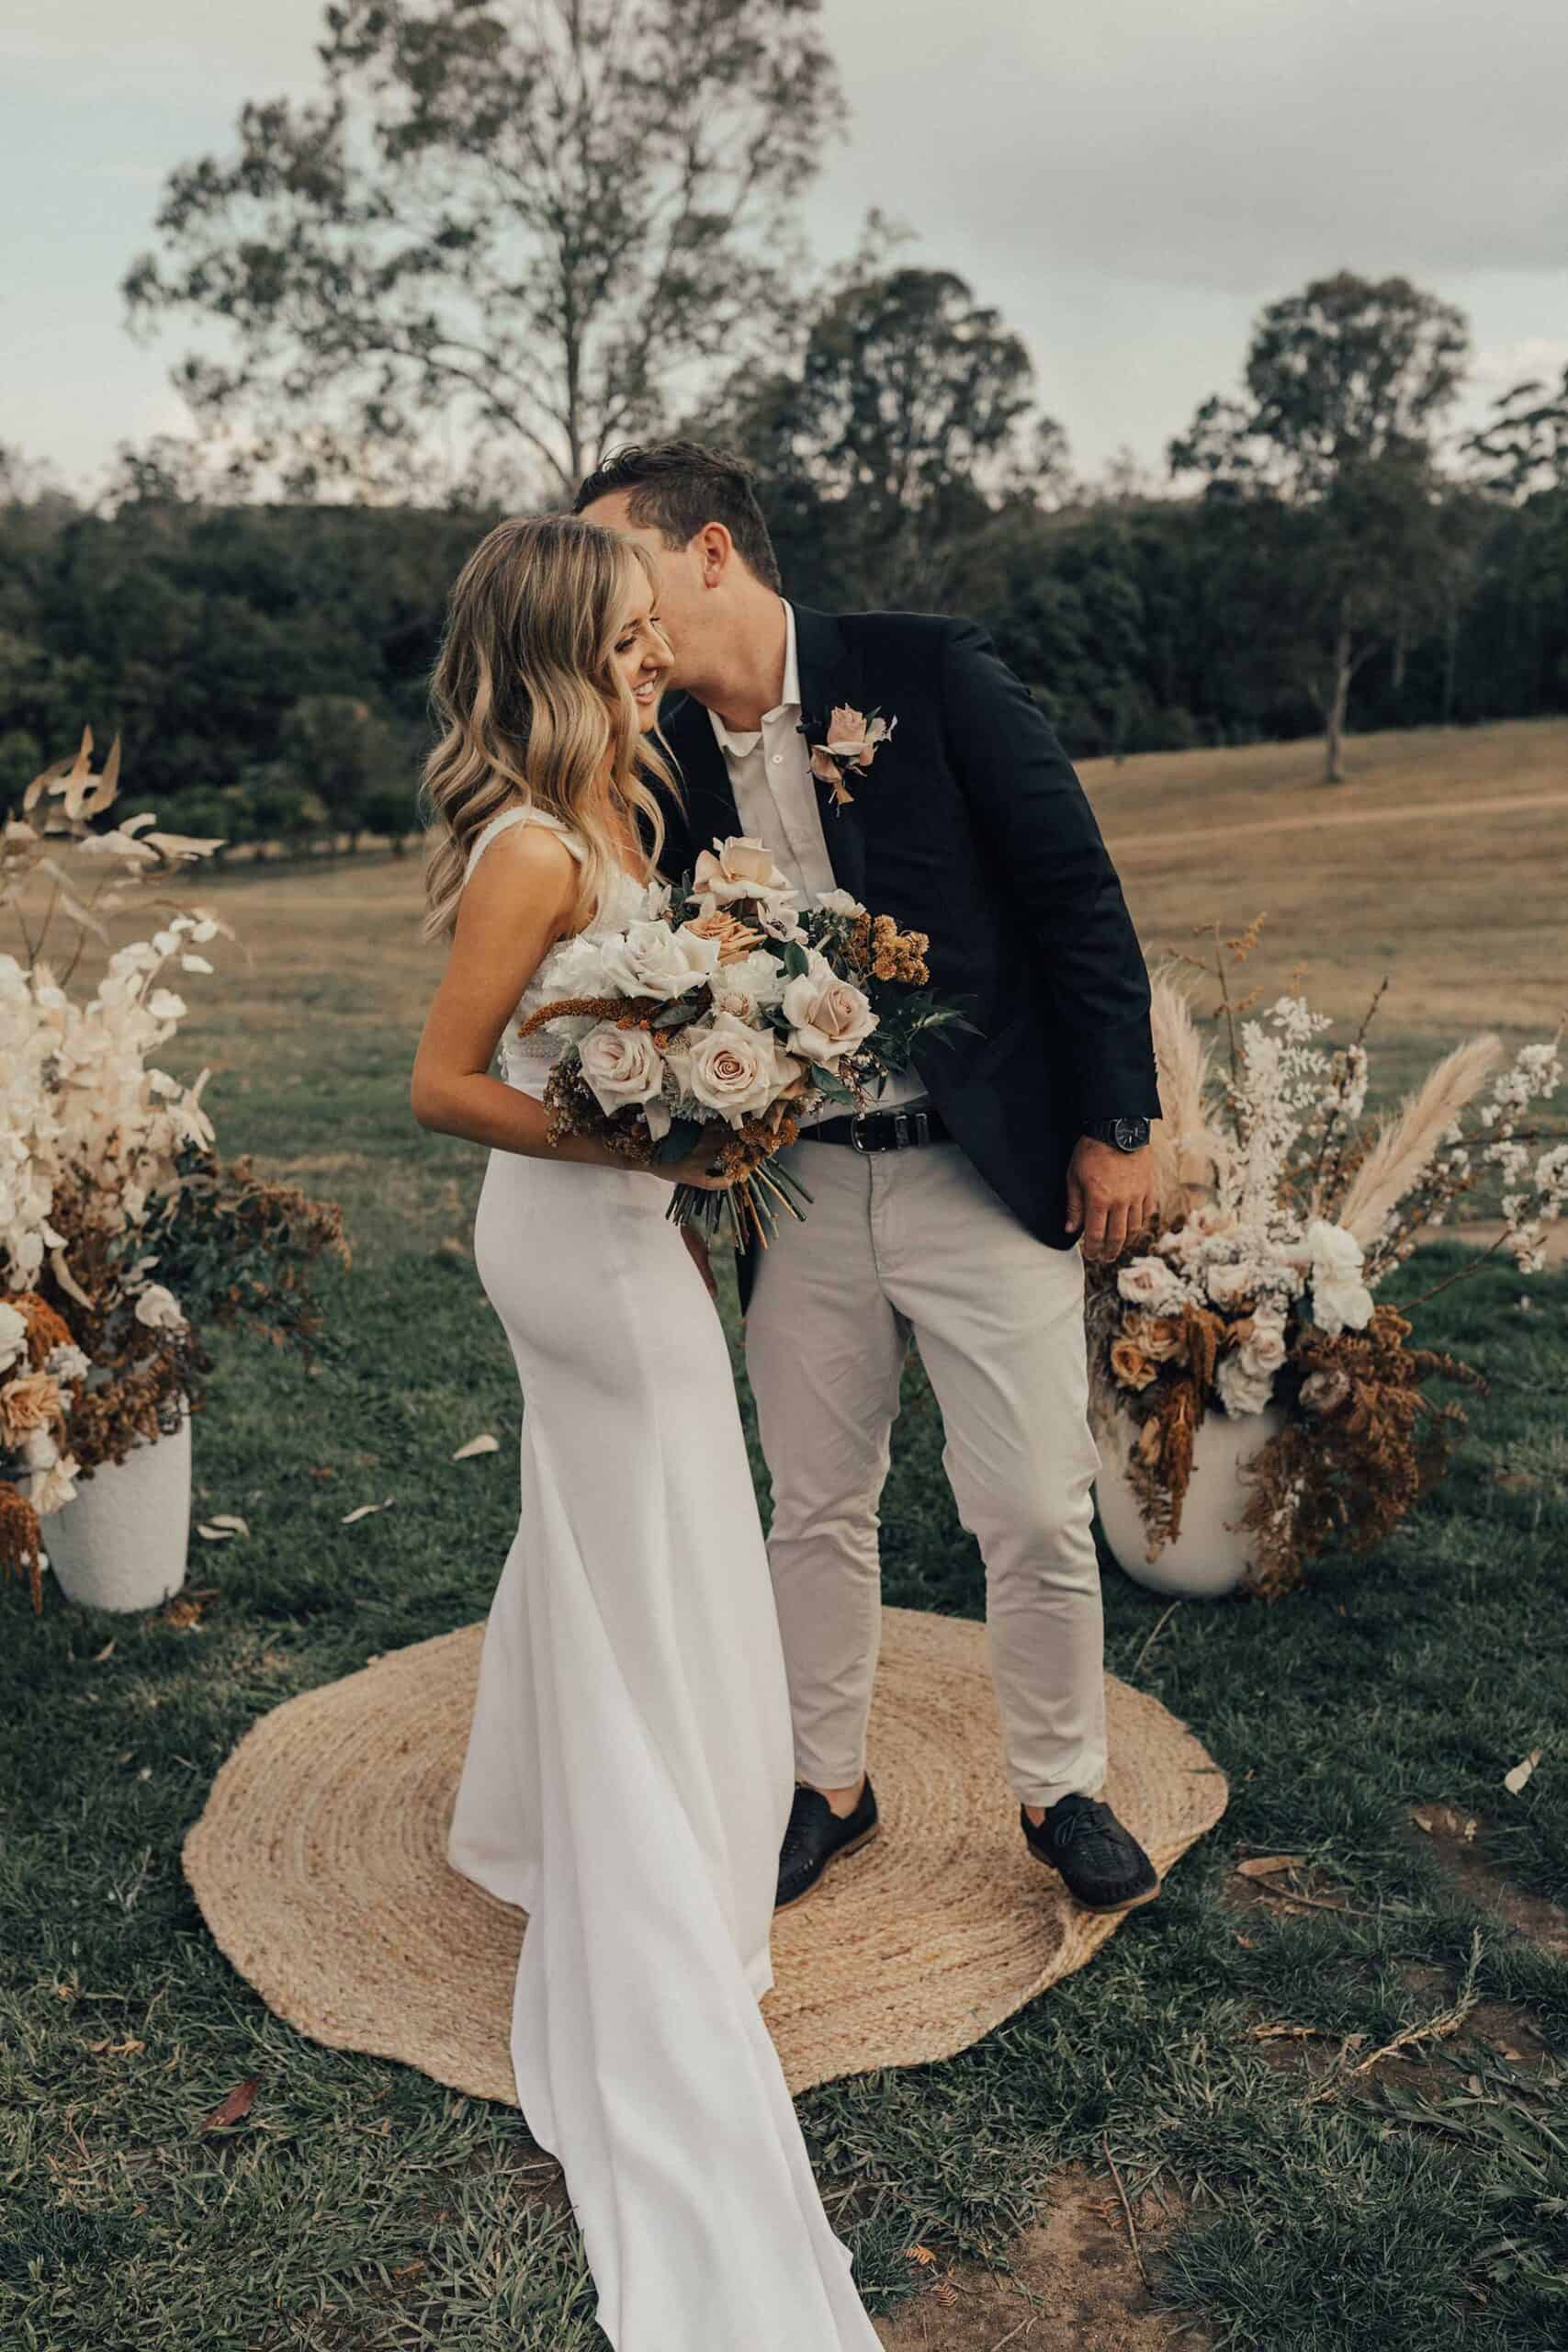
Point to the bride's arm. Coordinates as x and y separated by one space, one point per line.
518 903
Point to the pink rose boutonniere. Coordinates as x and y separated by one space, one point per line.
853 741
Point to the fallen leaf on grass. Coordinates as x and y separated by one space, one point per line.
1514 1780
184 1611
98 1655
229 1521
1442 1821
485 1444
1269 1865
234 2108
210 1533
115 2049
410 2270
365 1511
1284 2033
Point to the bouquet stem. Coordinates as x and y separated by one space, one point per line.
751 1207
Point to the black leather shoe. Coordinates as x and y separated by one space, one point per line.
1102 1865
816 1837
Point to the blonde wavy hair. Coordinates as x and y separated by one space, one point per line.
533 709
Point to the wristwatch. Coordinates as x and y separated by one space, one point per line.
1127 1135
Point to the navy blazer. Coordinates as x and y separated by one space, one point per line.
973 826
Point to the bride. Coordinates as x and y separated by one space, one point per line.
629 1771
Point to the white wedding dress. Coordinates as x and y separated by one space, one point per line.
629 1771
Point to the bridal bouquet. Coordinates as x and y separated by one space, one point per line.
1281 1210
727 1003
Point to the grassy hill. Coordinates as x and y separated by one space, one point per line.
1283 2200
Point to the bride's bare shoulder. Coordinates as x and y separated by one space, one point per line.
524 862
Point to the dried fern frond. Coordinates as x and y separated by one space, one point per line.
1404 1147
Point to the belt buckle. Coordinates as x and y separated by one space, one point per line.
900 1131
855 1143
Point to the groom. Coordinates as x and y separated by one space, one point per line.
953 1212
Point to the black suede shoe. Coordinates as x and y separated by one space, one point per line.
1102 1865
816 1837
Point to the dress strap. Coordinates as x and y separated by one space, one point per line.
521 815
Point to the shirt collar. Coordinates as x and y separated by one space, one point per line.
788 704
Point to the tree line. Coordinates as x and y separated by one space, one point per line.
505 238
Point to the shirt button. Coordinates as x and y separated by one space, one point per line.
778 759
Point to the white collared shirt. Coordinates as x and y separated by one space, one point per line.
775 798
770 774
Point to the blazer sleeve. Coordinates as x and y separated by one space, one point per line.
1033 814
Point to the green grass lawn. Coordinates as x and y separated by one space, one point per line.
361 2206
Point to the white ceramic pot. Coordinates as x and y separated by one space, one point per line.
121 1543
1210 1556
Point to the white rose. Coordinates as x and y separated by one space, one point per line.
649 959
737 868
840 903
731 1068
13 1336
1340 1305
1332 1250
159 1309
577 968
827 1017
1149 1281
1241 1391
1228 1285
621 1065
1263 1350
750 980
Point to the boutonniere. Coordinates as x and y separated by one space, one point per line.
852 740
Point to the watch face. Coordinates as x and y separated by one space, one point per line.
1132 1134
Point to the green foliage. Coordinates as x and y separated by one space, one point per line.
1334 454
906 412
520 227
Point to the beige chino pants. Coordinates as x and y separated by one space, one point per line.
916 1243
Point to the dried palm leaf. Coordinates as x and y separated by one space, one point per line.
1188 1149
1404 1147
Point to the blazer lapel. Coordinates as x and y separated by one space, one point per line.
710 809
830 675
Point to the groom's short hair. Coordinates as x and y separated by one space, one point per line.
676 487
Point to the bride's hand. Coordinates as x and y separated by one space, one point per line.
700 1166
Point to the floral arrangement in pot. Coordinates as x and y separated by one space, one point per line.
122 1236
1252 1303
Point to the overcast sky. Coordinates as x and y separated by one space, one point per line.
1127 181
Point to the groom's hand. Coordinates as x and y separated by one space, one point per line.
1110 1195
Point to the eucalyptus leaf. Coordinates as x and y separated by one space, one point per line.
682 1139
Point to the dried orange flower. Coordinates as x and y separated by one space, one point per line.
1158 1337
46 1330
27 1403
1130 1364
21 1553
898 954
735 939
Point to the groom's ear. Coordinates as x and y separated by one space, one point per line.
715 552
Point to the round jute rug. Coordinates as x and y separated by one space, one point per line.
320 1866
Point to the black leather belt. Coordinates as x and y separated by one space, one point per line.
898 1130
